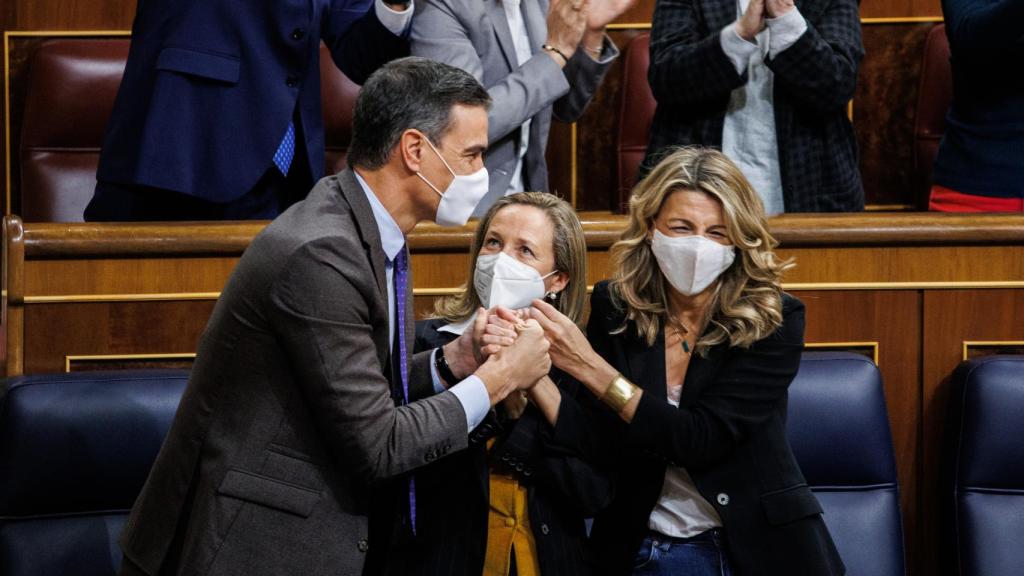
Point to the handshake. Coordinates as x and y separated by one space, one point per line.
511 351
514 349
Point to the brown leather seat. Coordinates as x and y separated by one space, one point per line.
71 88
338 94
933 99
72 84
635 115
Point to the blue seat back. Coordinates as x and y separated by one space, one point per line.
838 427
75 450
987 445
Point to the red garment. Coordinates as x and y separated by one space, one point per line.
945 200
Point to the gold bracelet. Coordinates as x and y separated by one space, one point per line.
619 393
595 52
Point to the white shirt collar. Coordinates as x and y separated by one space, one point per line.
391 238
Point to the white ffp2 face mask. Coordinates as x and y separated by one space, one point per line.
691 263
460 197
501 280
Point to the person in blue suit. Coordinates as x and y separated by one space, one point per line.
218 115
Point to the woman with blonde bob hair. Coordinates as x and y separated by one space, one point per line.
514 503
690 349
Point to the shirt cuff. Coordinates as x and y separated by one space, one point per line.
438 384
736 48
475 400
785 31
396 22
608 51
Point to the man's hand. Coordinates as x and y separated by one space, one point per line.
518 366
777 8
567 20
752 20
464 354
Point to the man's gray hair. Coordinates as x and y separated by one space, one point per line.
408 93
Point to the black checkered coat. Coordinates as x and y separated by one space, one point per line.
692 78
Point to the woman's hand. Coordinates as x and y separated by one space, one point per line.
569 349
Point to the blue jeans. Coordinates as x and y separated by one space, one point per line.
700 555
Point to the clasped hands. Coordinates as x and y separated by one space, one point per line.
753 19
568 348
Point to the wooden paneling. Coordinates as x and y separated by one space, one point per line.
883 110
892 318
71 14
900 8
104 328
952 318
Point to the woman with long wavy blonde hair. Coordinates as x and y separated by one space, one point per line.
691 348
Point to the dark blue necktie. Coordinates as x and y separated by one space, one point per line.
286 150
401 270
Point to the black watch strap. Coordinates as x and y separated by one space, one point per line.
443 370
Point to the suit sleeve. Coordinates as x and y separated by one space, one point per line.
746 390
984 29
440 34
584 75
322 319
820 69
358 42
686 67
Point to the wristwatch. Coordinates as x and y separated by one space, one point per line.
443 370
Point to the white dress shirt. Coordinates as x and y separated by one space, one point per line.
471 392
681 512
521 41
749 138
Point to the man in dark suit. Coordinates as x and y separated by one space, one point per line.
768 82
218 115
290 416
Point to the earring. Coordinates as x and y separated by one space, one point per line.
551 296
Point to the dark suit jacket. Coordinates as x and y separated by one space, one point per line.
288 416
692 79
729 434
210 86
563 487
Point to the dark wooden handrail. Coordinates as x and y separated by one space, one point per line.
64 240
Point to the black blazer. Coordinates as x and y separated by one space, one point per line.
692 79
563 488
728 432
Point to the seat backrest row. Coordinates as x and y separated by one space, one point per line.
72 84
75 450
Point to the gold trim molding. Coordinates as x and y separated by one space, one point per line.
968 344
91 298
844 345
448 291
107 357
